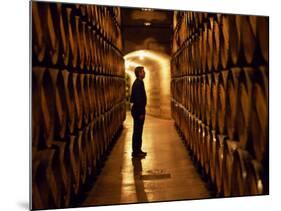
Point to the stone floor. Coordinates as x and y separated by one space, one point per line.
166 173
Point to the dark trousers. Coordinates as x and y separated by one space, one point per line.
137 133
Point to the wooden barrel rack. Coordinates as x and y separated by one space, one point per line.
219 90
78 98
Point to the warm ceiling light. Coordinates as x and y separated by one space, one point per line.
146 9
147 23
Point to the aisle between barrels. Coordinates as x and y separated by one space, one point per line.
166 173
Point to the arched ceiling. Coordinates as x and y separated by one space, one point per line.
146 29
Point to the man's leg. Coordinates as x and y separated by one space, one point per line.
136 135
141 122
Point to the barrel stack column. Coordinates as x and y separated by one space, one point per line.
219 100
78 97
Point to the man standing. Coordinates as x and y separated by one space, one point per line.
138 98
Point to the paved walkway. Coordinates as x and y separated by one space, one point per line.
166 173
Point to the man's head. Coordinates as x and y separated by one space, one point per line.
139 72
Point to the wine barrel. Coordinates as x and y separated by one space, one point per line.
82 145
232 103
196 96
94 49
216 45
263 36
89 14
60 103
221 108
197 54
92 148
90 93
235 33
90 51
196 141
77 99
200 87
69 97
201 142
255 182
74 163
85 99
96 140
37 78
204 81
210 44
53 45
208 99
61 171
214 101
206 144
212 152
220 157
230 147
259 116
45 181
73 40
239 172
248 40
37 200
80 44
245 106
47 103
224 50
86 44
63 33
192 95
38 33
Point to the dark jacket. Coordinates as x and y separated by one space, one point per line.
138 97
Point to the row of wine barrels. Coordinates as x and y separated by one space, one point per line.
233 102
62 170
78 98
64 101
68 38
219 91
232 170
221 42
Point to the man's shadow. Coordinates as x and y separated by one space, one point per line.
141 194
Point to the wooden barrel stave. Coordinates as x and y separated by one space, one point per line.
47 103
221 108
60 103
38 29
220 157
227 165
259 116
74 164
225 43
248 40
244 106
69 96
239 172
37 78
263 36
73 39
232 102
255 182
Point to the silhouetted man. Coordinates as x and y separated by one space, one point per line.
138 98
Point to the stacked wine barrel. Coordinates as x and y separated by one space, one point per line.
220 98
78 97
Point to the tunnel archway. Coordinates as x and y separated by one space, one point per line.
157 80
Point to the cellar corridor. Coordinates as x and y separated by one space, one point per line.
206 130
166 173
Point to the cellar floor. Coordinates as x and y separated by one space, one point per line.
166 173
